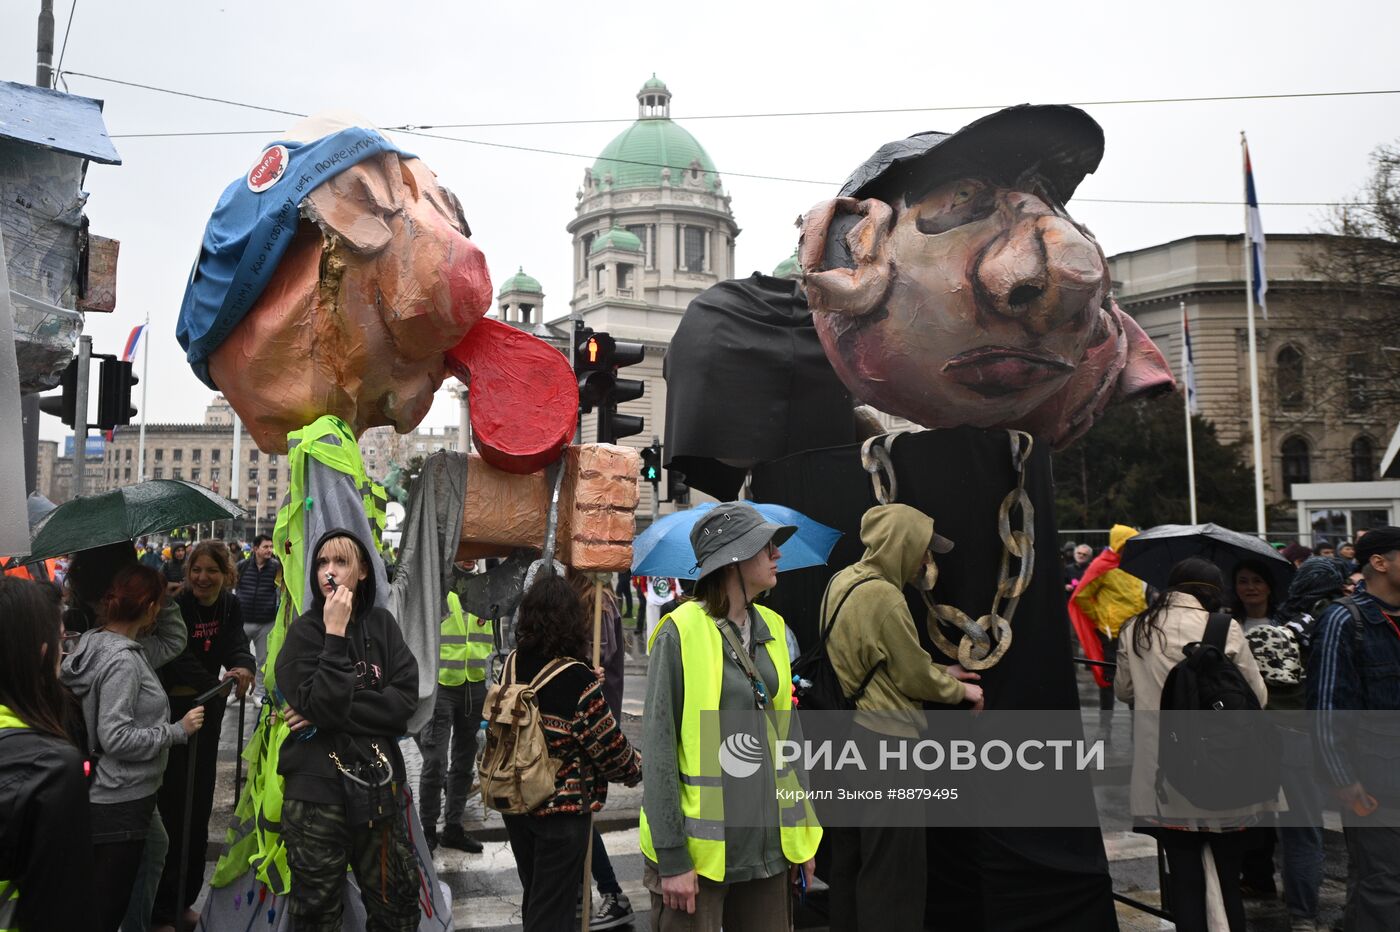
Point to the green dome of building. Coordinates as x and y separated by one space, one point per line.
636 157
789 267
522 283
616 238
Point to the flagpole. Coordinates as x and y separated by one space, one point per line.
145 384
1188 373
1253 361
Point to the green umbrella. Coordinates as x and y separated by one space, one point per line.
125 514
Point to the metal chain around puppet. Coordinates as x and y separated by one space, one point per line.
984 641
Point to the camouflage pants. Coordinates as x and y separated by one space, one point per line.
319 847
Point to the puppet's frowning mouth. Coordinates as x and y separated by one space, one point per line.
1004 370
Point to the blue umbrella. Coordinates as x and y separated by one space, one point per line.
664 548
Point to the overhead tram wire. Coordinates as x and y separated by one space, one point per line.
1219 98
58 70
416 130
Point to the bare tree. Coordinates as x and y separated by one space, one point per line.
1358 262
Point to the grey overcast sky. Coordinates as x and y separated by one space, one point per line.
421 63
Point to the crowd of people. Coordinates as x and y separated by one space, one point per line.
1328 644
113 690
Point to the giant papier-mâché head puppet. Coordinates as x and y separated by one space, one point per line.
950 286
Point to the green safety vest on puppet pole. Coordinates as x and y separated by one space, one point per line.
9 889
467 642
702 781
255 839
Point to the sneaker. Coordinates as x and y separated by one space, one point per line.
614 909
430 835
454 836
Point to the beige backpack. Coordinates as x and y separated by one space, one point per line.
514 767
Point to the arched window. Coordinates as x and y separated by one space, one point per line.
1288 375
1363 459
1297 462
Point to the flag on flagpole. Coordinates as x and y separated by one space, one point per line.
1255 234
132 341
1188 363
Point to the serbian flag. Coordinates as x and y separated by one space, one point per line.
1188 363
132 341
1254 233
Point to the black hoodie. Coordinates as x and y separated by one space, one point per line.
358 690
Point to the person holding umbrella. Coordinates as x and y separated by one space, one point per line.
720 651
1150 645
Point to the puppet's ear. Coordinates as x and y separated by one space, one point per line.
1145 371
357 203
845 255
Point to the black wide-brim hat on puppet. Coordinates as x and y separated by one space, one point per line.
1058 142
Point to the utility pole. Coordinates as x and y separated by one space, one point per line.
29 404
43 73
80 421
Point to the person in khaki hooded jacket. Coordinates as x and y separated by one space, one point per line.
879 873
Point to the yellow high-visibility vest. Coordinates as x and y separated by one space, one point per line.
466 645
702 781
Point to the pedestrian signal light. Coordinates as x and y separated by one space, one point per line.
651 463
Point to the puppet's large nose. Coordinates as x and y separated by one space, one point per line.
1043 273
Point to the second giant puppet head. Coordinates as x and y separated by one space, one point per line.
950 286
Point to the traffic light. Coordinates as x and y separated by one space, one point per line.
594 379
114 394
597 357
64 406
624 353
651 463
677 491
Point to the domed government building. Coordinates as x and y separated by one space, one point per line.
653 228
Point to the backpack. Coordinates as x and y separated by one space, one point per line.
818 687
514 768
1215 761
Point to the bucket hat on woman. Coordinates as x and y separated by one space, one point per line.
731 533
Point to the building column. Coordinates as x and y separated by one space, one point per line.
651 246
610 285
705 262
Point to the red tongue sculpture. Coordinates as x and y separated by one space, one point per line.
523 393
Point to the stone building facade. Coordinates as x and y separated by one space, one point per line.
1316 425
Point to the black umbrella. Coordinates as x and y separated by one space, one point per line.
747 382
125 514
1151 555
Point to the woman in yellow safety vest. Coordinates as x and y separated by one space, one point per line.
45 824
720 652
